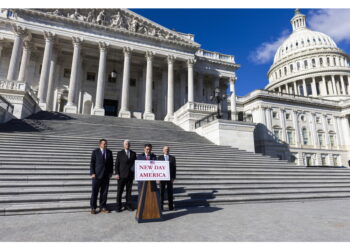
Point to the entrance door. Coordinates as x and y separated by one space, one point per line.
111 107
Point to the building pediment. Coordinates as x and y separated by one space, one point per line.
115 20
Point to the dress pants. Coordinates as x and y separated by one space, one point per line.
99 186
124 182
170 191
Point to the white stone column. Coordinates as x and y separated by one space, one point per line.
170 105
304 88
45 70
340 134
25 60
163 93
190 97
313 130
101 80
200 87
313 87
334 86
323 86
295 91
20 33
51 82
183 97
148 114
342 84
268 114
71 106
232 81
326 130
348 85
283 124
296 128
346 130
124 109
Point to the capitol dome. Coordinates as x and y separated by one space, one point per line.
309 63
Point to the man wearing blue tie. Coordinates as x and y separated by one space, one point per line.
168 184
101 170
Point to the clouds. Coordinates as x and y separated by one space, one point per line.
266 51
333 22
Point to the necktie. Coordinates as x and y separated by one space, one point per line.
104 154
147 157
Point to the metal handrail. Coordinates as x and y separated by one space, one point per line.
6 105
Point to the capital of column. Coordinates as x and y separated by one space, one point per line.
19 30
232 79
27 45
190 62
103 45
149 55
77 41
49 36
127 51
170 59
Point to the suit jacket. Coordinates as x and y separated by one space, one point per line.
102 168
172 165
142 157
124 165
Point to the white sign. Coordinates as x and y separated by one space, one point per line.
152 171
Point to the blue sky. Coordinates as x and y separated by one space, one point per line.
251 35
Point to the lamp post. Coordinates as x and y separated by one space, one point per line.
218 99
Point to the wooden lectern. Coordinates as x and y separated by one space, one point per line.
148 207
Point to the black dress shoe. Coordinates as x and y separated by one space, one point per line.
93 211
130 209
171 208
104 211
118 210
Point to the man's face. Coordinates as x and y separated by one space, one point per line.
126 145
148 150
166 150
103 144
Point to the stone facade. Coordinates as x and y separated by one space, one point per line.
107 62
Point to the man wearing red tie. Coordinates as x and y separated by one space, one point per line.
146 156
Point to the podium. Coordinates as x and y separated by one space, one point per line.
148 172
148 207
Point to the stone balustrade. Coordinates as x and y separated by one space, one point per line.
215 55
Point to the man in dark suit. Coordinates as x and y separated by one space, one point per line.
124 170
101 170
168 184
145 156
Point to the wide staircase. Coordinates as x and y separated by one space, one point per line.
44 165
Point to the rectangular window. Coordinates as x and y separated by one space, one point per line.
321 139
287 116
112 79
331 138
276 133
290 137
132 82
274 115
66 73
90 76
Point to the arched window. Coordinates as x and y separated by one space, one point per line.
328 61
321 62
332 138
291 68
334 62
305 64
277 132
285 70
290 136
298 65
320 135
305 136
313 62
280 73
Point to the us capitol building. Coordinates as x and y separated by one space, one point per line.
118 63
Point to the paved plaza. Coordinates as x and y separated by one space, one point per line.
322 220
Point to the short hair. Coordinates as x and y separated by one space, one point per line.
127 140
166 146
103 140
148 145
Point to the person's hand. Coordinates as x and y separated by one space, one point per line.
117 177
158 182
93 176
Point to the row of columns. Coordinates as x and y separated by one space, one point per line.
332 86
46 82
